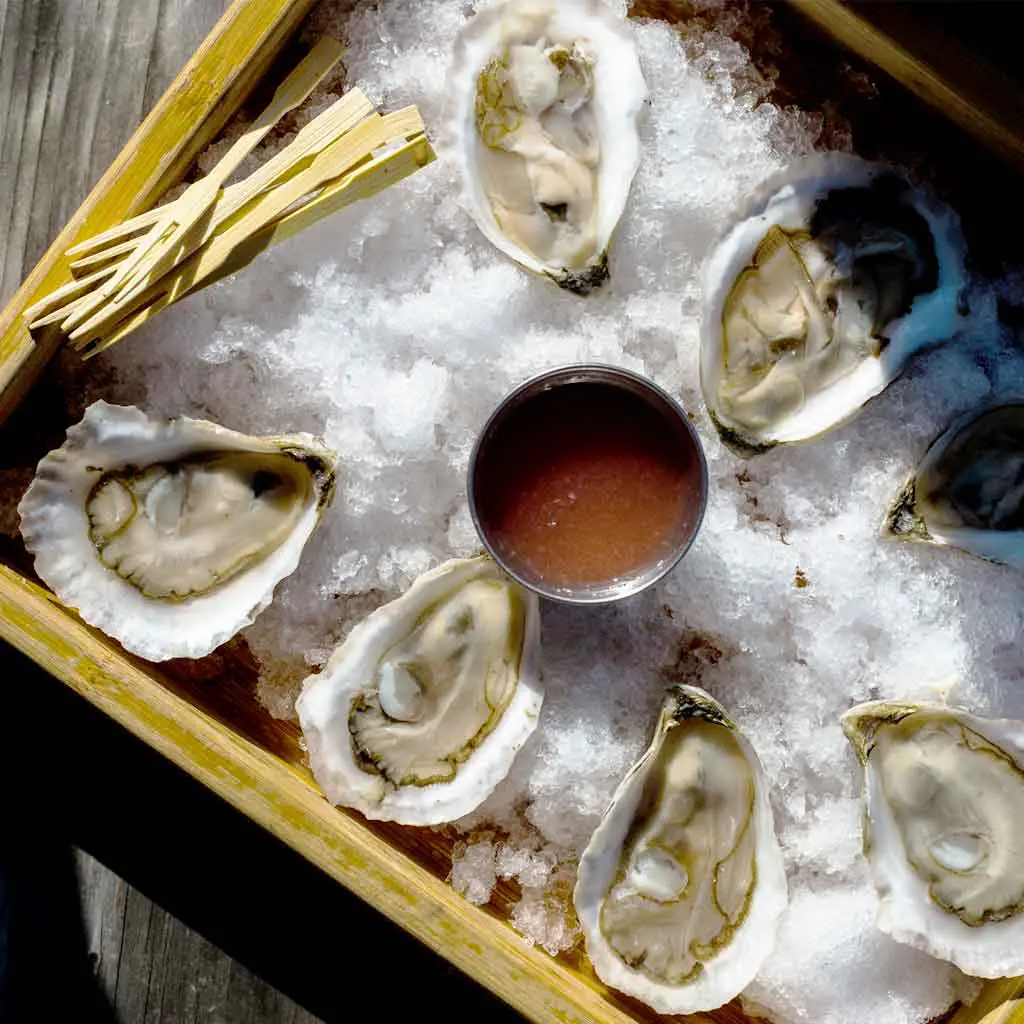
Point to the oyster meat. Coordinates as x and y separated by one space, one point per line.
681 887
543 102
419 714
815 302
968 491
170 536
944 830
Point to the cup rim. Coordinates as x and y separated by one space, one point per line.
644 387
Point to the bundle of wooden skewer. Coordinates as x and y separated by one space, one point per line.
127 274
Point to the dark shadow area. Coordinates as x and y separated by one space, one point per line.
45 974
70 776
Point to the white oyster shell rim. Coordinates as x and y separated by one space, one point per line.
735 966
620 94
788 200
992 950
55 528
326 697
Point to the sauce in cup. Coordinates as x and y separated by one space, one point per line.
587 484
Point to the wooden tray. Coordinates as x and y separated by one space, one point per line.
203 716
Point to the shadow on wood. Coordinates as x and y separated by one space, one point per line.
45 973
80 779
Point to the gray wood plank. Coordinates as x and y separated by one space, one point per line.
155 970
76 77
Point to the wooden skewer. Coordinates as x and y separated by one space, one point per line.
119 232
102 256
333 161
59 298
88 305
129 273
319 130
81 308
338 118
367 180
167 232
341 117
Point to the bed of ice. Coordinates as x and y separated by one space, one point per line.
392 330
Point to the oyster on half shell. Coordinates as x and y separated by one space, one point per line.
944 830
171 535
419 714
543 102
681 886
968 491
815 302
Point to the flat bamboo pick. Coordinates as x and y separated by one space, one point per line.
351 148
97 259
126 229
84 305
78 309
367 181
198 197
339 117
42 312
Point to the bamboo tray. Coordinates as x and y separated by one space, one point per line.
203 716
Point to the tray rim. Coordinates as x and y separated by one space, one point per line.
268 790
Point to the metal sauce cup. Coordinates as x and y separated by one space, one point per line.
498 447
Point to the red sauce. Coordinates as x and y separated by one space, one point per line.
587 482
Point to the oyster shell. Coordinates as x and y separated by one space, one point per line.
543 102
816 301
681 886
944 830
419 714
170 535
968 490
